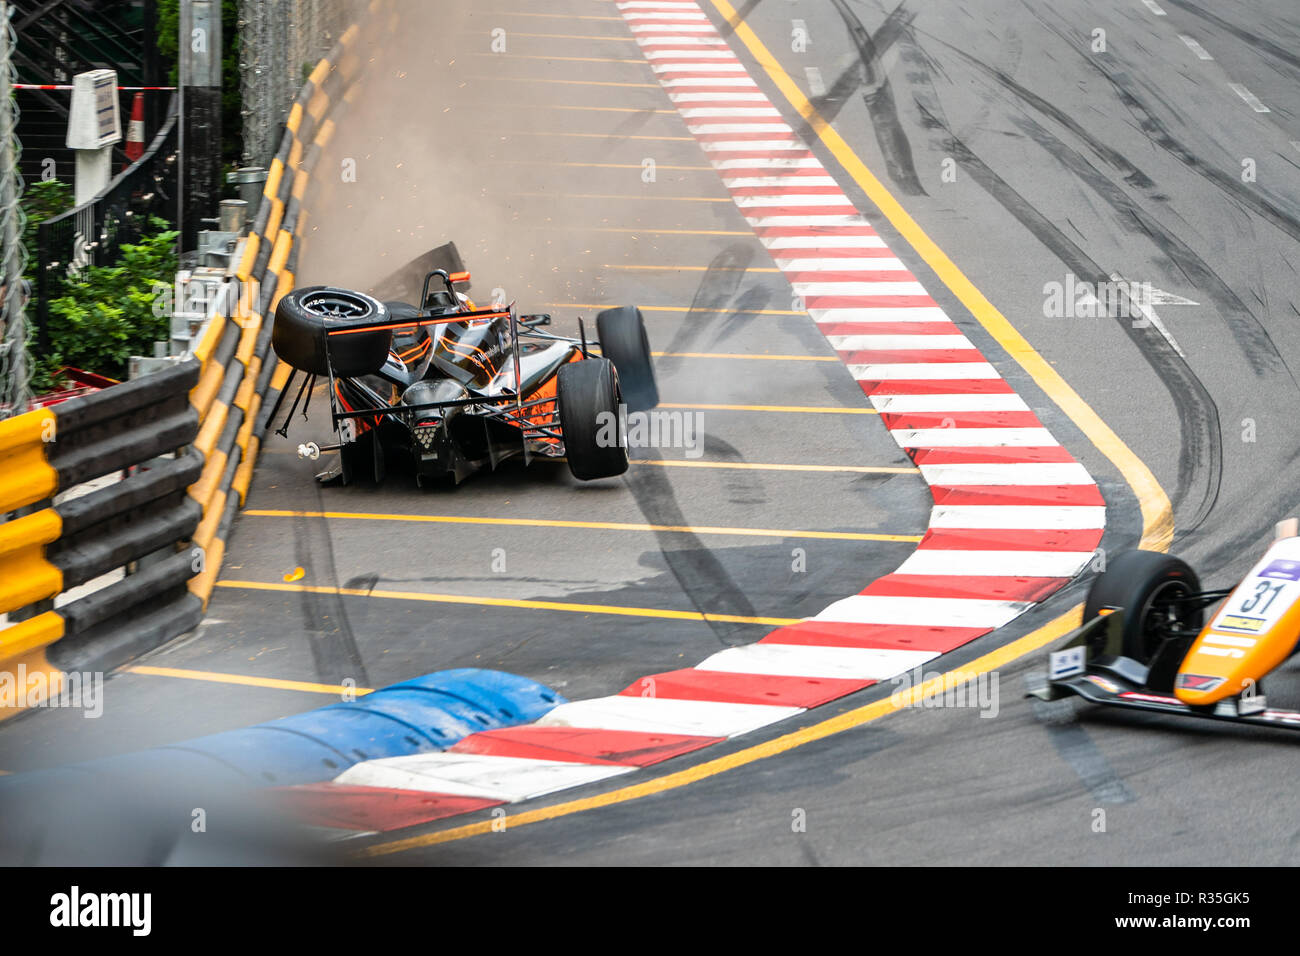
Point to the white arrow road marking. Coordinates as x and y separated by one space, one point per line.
1157 297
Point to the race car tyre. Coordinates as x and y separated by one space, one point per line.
1141 584
623 341
303 318
588 393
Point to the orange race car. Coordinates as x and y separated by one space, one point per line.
455 388
1143 643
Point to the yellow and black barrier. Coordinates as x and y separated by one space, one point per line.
47 549
186 439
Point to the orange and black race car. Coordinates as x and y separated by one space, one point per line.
1144 643
457 388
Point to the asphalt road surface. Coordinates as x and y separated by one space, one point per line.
1039 145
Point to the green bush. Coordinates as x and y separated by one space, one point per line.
104 316
41 201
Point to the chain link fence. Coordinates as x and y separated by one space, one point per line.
280 41
14 375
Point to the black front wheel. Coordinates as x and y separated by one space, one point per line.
589 398
1149 588
624 342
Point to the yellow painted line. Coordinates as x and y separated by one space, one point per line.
673 308
531 80
621 197
571 59
246 680
586 525
754 466
771 748
480 601
810 409
1157 513
610 265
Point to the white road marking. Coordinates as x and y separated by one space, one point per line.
936 612
728 97
919 314
816 85
759 146
707 128
973 437
1195 47
700 54
476 775
709 112
1144 306
1022 564
1008 473
701 718
964 402
768 162
856 343
785 201
733 67
677 27
765 222
828 241
1019 517
877 264
754 182
807 660
684 41
739 82
1154 7
809 289
1251 99
924 370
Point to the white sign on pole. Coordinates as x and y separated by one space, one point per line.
95 119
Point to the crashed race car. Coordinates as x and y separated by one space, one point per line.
455 388
1143 644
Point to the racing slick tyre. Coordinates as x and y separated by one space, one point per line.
588 393
305 316
1141 583
623 341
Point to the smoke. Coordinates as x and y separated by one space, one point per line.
431 149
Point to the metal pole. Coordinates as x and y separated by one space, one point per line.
200 82
14 384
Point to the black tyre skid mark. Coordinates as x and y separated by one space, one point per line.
1201 465
699 573
837 94
334 650
1254 42
701 576
1159 134
879 97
